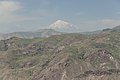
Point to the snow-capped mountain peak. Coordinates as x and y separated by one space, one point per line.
59 24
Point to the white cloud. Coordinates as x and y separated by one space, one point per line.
9 6
8 10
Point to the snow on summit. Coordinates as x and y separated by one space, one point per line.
60 24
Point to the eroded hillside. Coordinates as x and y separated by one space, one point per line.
61 57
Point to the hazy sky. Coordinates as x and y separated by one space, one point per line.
87 15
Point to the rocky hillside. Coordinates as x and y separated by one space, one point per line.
62 57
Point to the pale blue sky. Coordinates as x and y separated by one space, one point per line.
87 15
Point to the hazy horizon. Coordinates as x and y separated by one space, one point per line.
31 15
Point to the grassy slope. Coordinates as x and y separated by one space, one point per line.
60 57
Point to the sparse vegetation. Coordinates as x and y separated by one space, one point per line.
73 56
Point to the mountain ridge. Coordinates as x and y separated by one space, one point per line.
71 56
30 34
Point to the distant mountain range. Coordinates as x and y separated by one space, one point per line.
36 34
71 56
116 28
53 29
